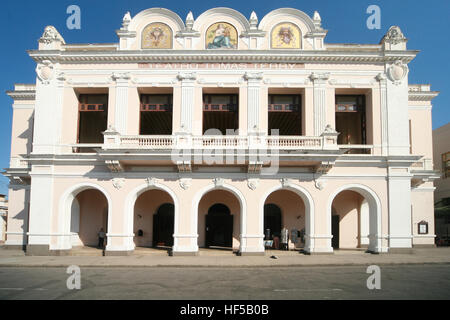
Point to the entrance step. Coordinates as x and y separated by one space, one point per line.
86 252
150 252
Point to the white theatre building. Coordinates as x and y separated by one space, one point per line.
220 131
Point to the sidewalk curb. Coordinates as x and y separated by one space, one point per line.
226 266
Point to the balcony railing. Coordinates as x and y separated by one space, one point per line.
91 107
276 107
116 141
148 107
220 107
294 142
154 142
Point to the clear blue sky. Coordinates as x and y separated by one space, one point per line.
425 23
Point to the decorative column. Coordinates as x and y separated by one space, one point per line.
187 100
121 107
253 102
320 120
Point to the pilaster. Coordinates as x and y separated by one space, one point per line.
253 102
320 95
187 100
121 106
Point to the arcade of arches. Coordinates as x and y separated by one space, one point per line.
219 219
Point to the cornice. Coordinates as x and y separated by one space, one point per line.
263 56
422 96
22 95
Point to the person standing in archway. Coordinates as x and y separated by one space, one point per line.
284 239
101 238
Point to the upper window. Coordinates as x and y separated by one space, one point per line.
446 165
221 35
157 36
286 36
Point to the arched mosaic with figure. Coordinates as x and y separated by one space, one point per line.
286 36
221 35
157 36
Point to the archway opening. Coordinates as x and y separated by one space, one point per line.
284 221
219 227
154 220
347 217
163 225
219 220
272 221
89 219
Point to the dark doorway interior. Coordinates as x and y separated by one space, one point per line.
285 115
156 114
163 226
351 119
335 231
93 117
220 113
219 227
272 221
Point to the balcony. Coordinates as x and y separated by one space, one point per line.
115 141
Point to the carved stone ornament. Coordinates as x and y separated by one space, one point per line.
253 184
218 182
185 183
45 71
329 129
50 35
192 76
118 183
285 182
320 184
395 36
397 72
151 181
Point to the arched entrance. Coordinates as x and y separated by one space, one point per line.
154 219
219 215
355 219
219 227
89 216
163 226
285 209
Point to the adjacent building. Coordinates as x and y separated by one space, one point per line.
441 155
220 131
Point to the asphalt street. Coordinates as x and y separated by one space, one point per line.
296 283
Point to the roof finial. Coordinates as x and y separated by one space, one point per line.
126 20
253 21
190 21
317 20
